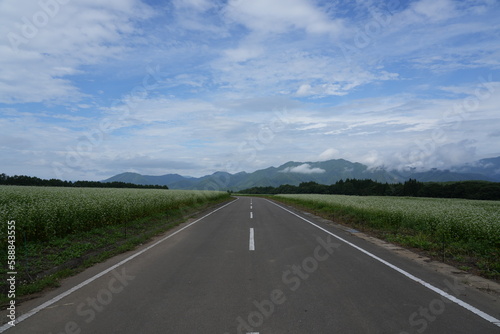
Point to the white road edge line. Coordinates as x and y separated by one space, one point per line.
465 305
102 273
251 245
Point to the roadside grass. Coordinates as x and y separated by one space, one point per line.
42 265
477 253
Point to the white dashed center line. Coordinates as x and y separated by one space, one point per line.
252 242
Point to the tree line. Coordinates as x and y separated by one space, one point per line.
23 180
483 190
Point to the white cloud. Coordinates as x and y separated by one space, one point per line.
47 42
244 53
303 169
435 10
228 67
304 90
329 154
290 47
198 5
438 35
273 69
280 16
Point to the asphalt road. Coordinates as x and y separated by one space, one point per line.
254 267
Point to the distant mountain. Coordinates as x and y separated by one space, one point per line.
136 178
323 172
489 167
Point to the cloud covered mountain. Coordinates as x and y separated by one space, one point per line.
324 172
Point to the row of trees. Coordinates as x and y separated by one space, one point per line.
23 180
464 189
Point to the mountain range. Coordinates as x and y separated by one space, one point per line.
323 172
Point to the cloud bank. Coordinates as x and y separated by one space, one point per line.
303 169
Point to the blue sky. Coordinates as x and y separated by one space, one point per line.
90 89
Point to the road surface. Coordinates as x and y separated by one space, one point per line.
256 267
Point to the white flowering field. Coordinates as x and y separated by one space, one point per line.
467 218
468 229
42 213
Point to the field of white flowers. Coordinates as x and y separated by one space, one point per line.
467 216
473 224
42 213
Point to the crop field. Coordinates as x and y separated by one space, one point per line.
60 230
42 213
464 231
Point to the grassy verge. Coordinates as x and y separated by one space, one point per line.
477 253
41 265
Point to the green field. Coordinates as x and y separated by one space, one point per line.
44 213
465 232
58 230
